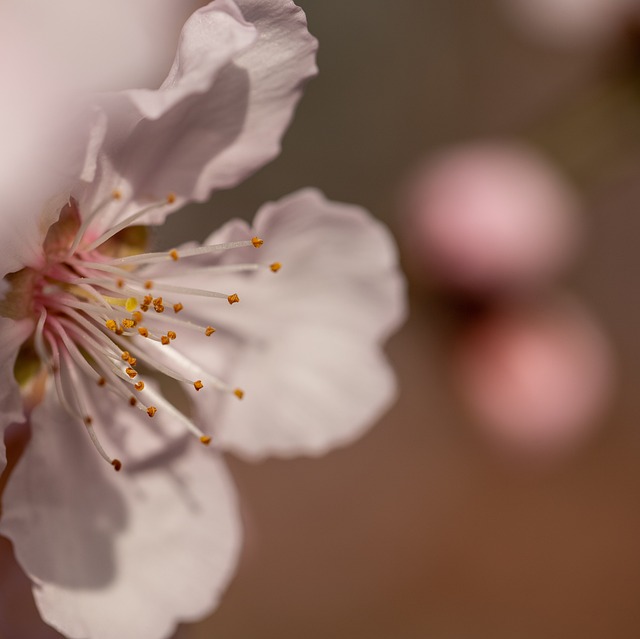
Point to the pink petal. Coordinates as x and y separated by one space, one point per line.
119 555
12 335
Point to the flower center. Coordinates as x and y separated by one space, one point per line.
105 313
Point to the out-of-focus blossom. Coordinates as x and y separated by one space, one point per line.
572 22
537 377
92 323
490 218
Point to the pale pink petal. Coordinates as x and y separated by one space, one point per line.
304 343
220 114
119 555
12 335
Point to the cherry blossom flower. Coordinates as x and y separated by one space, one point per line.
142 358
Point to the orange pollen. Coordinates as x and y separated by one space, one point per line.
257 242
171 198
132 361
174 254
125 355
143 331
128 323
147 300
165 340
148 284
144 308
205 439
177 307
119 331
102 381
132 400
275 267
116 195
111 325
233 299
137 316
209 331
117 464
138 386
158 308
130 372
151 411
239 393
198 385
119 283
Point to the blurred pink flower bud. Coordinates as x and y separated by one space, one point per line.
488 217
570 22
537 379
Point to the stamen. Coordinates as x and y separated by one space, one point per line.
164 256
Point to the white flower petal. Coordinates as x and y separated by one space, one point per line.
221 112
119 555
304 343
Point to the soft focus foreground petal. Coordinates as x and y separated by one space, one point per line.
220 114
12 335
106 46
304 343
39 151
119 555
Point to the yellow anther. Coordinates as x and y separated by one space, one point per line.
171 334
130 372
239 393
151 411
116 194
119 283
174 254
128 323
131 304
233 298
209 331
137 316
257 242
138 386
171 198
143 331
132 400
177 307
148 285
111 325
102 381
198 385
117 464
275 267
205 439
165 340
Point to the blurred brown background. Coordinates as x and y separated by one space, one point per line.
422 528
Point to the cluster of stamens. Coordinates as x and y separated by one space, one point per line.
99 318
